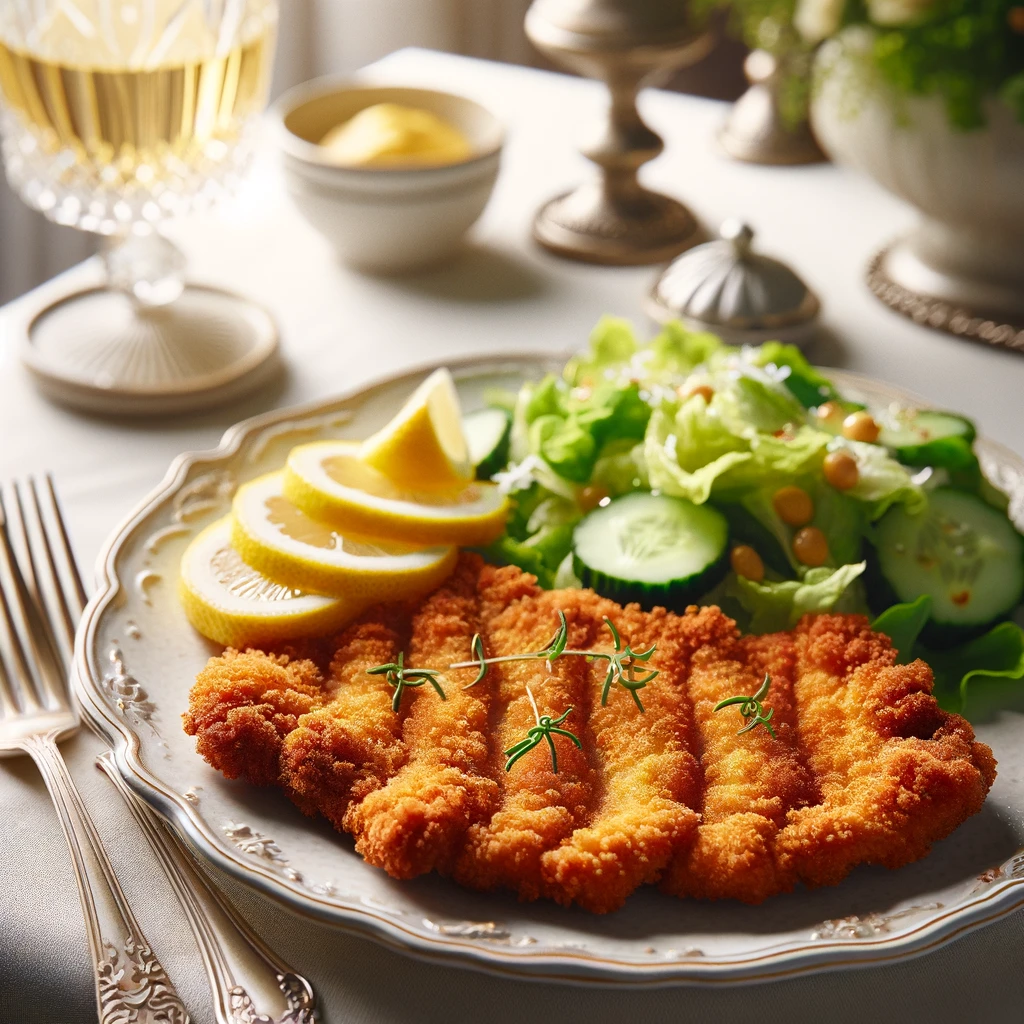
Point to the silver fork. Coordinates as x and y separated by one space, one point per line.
250 983
36 711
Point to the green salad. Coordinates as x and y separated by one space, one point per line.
687 471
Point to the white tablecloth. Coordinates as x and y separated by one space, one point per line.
339 329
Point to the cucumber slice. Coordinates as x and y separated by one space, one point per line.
962 552
921 437
487 434
652 549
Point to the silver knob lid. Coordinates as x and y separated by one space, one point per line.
725 286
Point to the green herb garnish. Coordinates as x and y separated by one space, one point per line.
476 645
622 667
545 726
622 662
750 707
401 677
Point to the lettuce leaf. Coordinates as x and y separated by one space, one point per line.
612 412
620 468
553 542
612 345
687 450
506 551
749 405
565 575
677 351
808 386
798 454
775 606
882 481
758 503
902 624
565 445
614 353
548 398
974 679
569 428
746 528
501 398
842 519
542 550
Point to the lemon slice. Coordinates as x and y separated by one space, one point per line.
286 545
329 481
423 447
231 603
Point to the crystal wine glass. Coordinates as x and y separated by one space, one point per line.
116 115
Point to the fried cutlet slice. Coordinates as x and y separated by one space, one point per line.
751 780
647 781
417 821
243 705
539 807
895 771
352 743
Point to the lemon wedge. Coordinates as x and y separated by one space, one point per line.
328 480
423 447
231 603
286 545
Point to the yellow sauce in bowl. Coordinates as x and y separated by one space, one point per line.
393 135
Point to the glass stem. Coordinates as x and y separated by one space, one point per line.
148 268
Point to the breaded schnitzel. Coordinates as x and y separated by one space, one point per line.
860 764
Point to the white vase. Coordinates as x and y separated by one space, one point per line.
962 268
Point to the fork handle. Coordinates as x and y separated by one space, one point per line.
251 985
131 985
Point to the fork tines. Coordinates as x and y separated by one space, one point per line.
41 596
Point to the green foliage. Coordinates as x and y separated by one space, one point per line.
973 678
964 51
760 23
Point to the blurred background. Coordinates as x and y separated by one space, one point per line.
319 37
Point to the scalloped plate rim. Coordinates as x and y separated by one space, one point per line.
789 959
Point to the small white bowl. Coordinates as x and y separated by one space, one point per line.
385 220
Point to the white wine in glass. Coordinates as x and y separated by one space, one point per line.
115 116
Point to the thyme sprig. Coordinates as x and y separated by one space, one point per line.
622 667
476 645
546 725
751 707
401 678
623 661
554 649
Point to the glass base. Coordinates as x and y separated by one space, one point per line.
101 351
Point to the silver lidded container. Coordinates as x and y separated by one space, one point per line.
742 296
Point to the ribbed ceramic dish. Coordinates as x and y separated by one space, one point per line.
137 657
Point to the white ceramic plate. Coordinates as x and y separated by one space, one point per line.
137 657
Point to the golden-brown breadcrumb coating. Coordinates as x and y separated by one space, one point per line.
416 823
243 705
751 781
352 743
896 773
539 807
864 768
649 781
